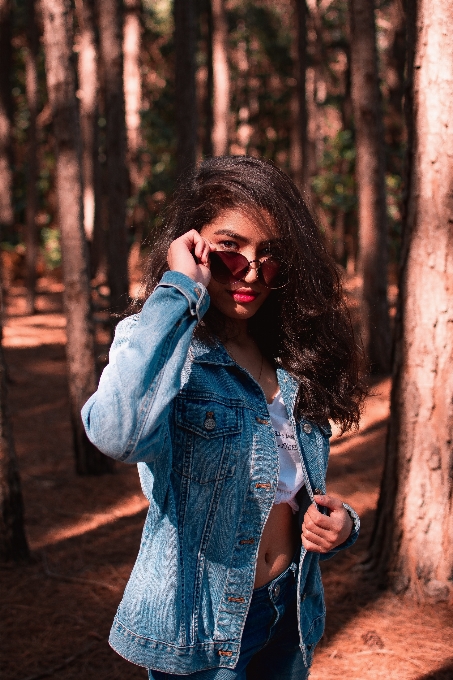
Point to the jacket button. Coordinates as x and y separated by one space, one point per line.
262 421
197 292
307 428
277 590
209 423
318 492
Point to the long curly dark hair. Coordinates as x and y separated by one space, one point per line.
305 327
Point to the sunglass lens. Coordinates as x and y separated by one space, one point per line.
228 267
270 270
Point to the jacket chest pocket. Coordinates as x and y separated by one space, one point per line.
207 439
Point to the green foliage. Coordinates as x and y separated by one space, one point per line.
51 247
334 184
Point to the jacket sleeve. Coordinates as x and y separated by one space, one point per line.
126 416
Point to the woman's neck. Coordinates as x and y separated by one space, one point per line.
236 333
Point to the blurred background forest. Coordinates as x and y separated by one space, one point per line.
261 113
104 104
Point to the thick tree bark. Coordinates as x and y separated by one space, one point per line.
298 142
370 175
110 39
221 79
413 535
31 88
6 178
88 94
13 543
80 346
185 87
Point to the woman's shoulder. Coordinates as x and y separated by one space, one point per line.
124 329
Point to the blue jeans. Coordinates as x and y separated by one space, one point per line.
270 642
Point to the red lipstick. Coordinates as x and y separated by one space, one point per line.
243 295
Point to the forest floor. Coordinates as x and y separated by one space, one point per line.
84 534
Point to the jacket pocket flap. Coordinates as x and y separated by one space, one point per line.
207 418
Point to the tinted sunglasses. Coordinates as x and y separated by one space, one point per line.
230 267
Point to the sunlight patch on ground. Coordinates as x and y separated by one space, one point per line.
90 521
370 645
33 331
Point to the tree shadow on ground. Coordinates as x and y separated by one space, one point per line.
57 610
444 673
348 588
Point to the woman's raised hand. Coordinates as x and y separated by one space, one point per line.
182 253
321 533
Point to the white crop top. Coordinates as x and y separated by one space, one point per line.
291 477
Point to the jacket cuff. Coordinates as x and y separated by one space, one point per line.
196 293
353 536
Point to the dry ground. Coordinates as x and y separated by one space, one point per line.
84 534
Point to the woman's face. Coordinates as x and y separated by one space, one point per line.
233 230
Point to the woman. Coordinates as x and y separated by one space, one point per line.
221 389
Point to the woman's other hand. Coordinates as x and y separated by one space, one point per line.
182 253
321 533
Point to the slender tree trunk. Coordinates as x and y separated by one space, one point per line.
31 88
133 102
207 85
413 536
133 88
6 178
221 79
110 39
88 94
185 87
80 346
13 542
298 142
370 175
394 63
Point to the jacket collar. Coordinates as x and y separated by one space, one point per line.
215 353
209 353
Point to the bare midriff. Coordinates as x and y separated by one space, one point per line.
278 544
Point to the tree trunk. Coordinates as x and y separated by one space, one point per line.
133 102
373 249
206 83
110 39
31 88
298 142
413 535
80 346
6 178
185 87
88 94
13 543
394 63
221 79
132 88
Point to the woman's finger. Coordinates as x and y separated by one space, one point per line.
200 249
317 536
313 545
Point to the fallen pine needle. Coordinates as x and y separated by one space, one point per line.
74 579
388 651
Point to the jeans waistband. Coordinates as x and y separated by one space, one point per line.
278 585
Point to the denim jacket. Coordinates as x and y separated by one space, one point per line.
198 426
